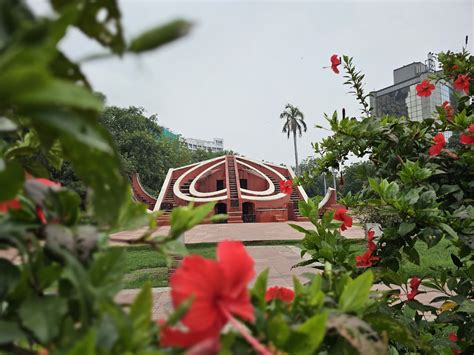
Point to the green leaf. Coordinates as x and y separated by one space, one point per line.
175 247
159 36
391 190
180 311
107 270
456 261
132 215
199 214
9 277
412 254
374 185
46 91
260 288
305 208
414 304
67 205
81 135
297 286
86 345
448 230
10 332
140 313
396 330
406 228
74 125
299 228
356 293
42 316
315 329
107 30
11 179
278 330
466 306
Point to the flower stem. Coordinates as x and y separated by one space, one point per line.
245 333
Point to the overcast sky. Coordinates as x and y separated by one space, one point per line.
243 61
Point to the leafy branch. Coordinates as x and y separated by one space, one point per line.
354 80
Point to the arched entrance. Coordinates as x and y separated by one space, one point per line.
248 212
220 208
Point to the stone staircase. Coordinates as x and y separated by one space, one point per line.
234 212
294 198
185 188
167 205
276 183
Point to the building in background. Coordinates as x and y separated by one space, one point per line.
400 99
168 133
216 145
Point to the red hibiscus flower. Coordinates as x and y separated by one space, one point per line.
335 62
469 137
414 284
346 220
449 110
454 338
454 67
281 293
424 88
5 206
462 83
365 260
370 240
286 186
440 142
219 289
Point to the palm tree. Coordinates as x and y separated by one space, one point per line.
294 123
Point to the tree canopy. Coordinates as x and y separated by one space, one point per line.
142 147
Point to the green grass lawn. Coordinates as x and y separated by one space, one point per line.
437 256
144 264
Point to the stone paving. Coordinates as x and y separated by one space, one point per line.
239 231
279 259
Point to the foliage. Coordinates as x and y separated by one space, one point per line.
417 196
58 290
352 179
142 149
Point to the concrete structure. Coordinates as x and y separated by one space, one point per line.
400 99
216 145
168 133
245 189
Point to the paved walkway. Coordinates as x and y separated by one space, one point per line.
279 259
239 231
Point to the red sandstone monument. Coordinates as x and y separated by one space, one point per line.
246 190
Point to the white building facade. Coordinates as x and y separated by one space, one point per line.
216 145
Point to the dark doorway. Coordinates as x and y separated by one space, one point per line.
243 183
219 185
220 208
248 212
